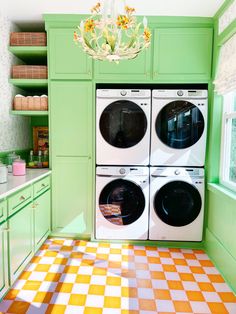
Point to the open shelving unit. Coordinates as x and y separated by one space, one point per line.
31 55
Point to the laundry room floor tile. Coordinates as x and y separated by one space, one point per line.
82 277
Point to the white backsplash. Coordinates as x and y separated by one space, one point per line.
14 130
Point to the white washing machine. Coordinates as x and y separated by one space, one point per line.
179 127
123 126
122 203
176 203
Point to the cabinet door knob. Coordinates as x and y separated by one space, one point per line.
22 198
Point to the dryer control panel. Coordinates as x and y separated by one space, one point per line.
177 172
122 171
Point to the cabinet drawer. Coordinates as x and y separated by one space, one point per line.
41 186
19 200
3 210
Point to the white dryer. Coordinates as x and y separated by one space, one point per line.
122 203
123 126
179 127
176 204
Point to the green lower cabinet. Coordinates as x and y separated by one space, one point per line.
42 218
72 195
3 260
20 240
182 54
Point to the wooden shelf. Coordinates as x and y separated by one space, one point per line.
30 54
29 113
30 83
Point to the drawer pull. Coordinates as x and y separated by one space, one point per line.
22 199
43 186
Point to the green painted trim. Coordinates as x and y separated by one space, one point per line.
227 33
213 151
222 259
220 189
72 20
223 8
29 83
73 236
29 113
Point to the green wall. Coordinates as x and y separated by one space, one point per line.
220 233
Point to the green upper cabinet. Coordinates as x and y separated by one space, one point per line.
66 59
182 54
71 118
138 69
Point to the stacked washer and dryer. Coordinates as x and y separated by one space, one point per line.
150 153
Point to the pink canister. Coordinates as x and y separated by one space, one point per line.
19 167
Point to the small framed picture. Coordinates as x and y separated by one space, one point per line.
40 138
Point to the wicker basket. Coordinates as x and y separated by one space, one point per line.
30 103
29 72
28 39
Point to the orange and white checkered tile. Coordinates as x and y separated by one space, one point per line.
75 277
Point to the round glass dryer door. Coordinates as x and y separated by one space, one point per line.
121 202
179 124
177 203
123 124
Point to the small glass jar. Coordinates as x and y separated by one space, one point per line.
19 167
9 160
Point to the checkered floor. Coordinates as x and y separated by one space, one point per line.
75 277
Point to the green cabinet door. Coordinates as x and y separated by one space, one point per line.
20 240
138 69
3 260
182 54
71 118
72 195
42 218
66 59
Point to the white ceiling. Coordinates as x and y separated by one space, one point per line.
32 10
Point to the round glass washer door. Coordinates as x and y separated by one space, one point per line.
177 203
180 124
122 202
123 124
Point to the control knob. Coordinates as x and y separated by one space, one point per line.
180 93
123 93
177 172
122 171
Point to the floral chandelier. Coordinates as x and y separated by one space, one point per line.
111 35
